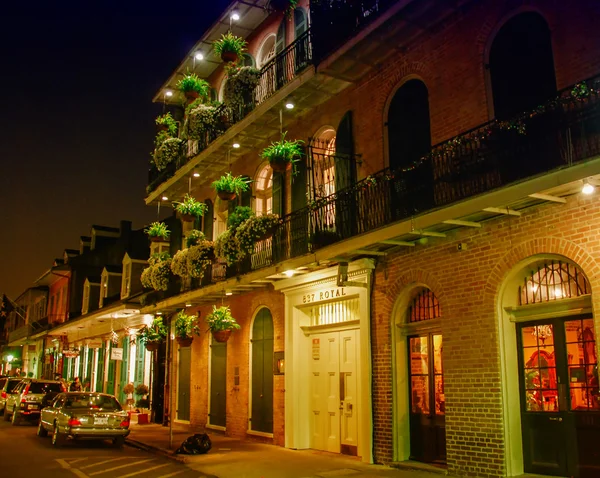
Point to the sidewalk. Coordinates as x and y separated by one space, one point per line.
233 458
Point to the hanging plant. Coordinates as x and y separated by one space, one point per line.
240 86
229 47
190 208
200 120
227 247
199 258
221 323
179 263
185 328
166 123
193 87
238 216
158 232
167 151
255 229
194 237
228 186
152 335
158 273
283 154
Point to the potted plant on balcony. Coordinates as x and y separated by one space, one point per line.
158 274
254 230
190 208
142 404
200 119
152 335
185 328
221 323
200 257
193 87
167 150
166 123
283 154
228 186
194 237
229 47
179 264
240 86
158 232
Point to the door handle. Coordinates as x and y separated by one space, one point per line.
556 419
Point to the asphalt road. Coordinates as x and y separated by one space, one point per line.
24 454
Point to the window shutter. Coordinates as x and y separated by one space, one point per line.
280 38
345 169
209 217
300 22
175 237
246 196
278 193
299 184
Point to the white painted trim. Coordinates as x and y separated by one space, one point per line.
215 427
259 434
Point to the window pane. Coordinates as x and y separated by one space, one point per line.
541 390
440 397
582 362
420 394
419 358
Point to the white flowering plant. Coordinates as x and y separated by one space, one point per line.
199 258
255 229
227 247
240 85
201 118
167 151
194 237
158 273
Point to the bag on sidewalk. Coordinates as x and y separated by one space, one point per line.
197 444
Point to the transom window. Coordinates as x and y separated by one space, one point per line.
264 191
552 281
424 306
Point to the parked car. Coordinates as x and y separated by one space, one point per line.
7 387
84 416
26 401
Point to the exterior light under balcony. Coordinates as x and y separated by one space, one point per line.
188 305
289 104
165 198
168 93
159 313
290 273
235 16
199 56
587 188
235 145
228 292
196 174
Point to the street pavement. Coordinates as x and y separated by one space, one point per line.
24 454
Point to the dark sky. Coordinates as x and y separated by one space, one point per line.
77 119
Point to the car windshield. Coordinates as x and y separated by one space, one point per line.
44 387
12 384
90 400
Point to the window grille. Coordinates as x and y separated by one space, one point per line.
553 281
335 312
424 306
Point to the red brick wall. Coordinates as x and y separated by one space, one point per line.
467 284
243 308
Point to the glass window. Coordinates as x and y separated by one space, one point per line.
264 191
582 364
41 387
541 393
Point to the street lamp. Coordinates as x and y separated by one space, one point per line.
9 358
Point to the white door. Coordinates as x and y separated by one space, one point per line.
334 424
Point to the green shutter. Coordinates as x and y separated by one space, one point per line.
209 217
125 366
299 184
246 199
100 370
140 355
344 154
110 383
278 193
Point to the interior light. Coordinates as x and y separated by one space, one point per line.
196 174
9 358
199 56
289 273
165 198
235 16
587 188
168 93
236 145
228 292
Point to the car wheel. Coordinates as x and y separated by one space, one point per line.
41 431
16 418
6 415
57 437
119 442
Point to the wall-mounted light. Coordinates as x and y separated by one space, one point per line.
228 292
9 358
199 56
278 363
587 188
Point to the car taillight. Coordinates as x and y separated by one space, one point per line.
125 423
74 422
3 394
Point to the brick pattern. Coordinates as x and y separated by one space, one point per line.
243 308
468 285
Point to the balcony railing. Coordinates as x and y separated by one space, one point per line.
564 132
20 333
277 73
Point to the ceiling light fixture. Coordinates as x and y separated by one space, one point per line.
235 16
168 93
165 198
196 174
199 56
587 188
289 104
188 305
228 292
235 145
289 273
159 313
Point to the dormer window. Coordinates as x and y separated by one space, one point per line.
85 306
103 287
126 281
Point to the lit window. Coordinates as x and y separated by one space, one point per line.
264 191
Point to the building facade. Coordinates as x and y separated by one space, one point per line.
429 289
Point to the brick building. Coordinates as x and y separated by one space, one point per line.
429 287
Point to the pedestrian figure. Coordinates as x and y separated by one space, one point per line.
75 386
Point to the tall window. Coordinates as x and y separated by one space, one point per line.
263 190
85 307
521 65
125 285
323 165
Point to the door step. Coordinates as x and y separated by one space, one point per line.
418 466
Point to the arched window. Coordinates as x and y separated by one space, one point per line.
300 22
553 280
266 51
248 60
521 65
323 166
424 305
409 134
263 190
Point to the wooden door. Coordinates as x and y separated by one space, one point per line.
560 406
218 384
348 392
427 399
183 383
261 419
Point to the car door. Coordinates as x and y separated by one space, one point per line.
48 413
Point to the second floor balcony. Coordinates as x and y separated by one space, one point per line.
498 168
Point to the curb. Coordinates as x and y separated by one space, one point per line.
153 449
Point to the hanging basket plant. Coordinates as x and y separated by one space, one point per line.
154 334
228 186
229 47
190 209
227 247
158 232
200 120
240 86
193 261
283 154
185 328
166 123
193 87
221 323
167 151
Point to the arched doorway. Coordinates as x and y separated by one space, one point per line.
420 403
550 370
261 395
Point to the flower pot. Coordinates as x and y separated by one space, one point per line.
162 127
185 341
229 56
188 217
158 239
226 195
191 95
222 335
280 165
152 346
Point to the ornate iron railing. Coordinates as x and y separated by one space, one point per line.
277 73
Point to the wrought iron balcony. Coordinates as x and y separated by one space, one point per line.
560 134
20 333
277 73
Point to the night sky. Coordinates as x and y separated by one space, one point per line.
77 119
